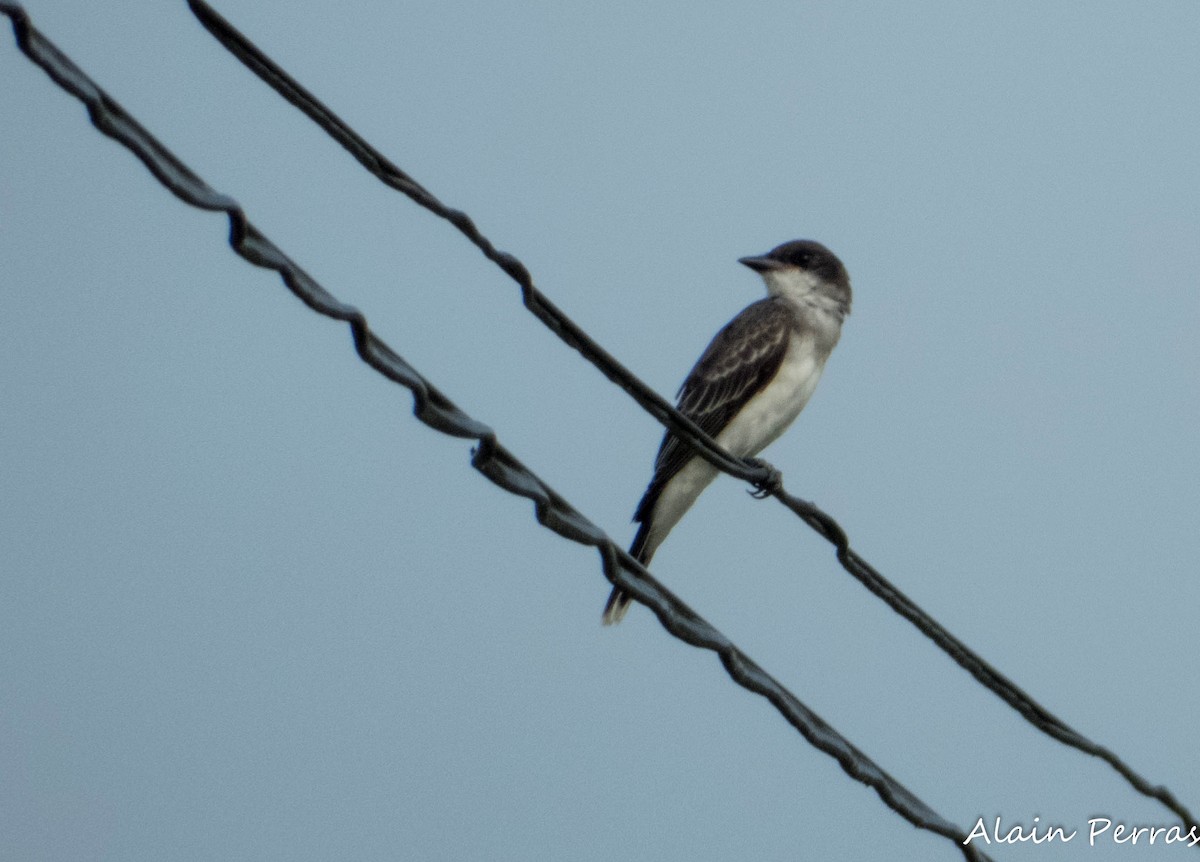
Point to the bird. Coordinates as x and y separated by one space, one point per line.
748 386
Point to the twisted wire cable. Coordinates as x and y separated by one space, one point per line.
704 446
492 459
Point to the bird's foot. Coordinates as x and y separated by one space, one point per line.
768 486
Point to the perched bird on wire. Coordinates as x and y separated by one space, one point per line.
751 383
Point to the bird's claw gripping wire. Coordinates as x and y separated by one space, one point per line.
768 486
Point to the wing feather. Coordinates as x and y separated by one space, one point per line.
738 363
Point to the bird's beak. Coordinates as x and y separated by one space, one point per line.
760 264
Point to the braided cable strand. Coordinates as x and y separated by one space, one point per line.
704 446
503 468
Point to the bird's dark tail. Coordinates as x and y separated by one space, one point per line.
619 600
618 604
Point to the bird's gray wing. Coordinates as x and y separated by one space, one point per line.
740 361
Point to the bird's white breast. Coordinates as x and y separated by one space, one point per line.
760 422
771 411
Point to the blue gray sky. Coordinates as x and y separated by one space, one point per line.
252 609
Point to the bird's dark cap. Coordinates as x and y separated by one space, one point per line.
804 254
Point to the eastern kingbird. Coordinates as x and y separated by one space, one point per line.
749 386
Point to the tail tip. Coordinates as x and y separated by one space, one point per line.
617 607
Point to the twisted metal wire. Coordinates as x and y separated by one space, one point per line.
757 472
492 459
